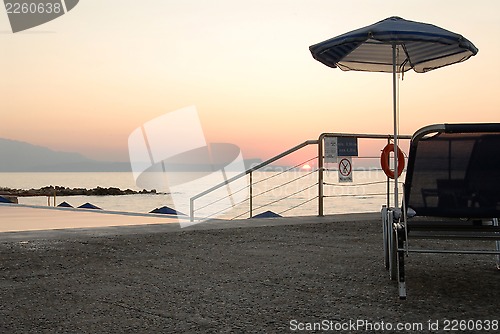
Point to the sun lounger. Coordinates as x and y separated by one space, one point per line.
451 191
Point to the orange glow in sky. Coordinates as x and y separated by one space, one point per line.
85 81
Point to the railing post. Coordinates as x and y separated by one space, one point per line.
191 210
251 194
320 176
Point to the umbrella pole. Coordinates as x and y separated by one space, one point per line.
395 107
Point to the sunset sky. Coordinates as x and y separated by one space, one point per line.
85 81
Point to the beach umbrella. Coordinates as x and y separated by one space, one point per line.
4 200
165 210
267 214
89 206
394 45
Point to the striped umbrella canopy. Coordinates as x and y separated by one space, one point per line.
394 45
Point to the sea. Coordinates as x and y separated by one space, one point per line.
287 193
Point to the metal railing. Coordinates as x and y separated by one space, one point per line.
320 170
247 172
272 190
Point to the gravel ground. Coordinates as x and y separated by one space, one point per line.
242 280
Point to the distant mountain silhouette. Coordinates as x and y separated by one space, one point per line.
17 156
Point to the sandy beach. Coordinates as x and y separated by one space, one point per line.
244 278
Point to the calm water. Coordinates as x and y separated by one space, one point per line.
299 188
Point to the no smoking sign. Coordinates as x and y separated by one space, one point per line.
345 169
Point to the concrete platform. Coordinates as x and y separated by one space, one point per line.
17 217
32 222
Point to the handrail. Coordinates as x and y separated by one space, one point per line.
319 142
248 171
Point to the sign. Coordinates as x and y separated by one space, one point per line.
340 147
345 169
331 149
347 146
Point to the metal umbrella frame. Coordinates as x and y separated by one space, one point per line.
394 45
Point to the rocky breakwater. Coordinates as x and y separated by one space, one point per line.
65 191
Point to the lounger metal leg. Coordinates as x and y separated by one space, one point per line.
497 244
400 233
391 247
393 255
385 236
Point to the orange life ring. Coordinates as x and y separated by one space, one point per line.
384 161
